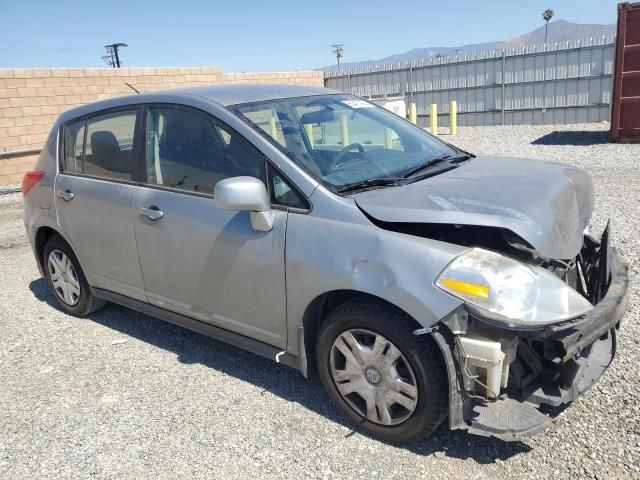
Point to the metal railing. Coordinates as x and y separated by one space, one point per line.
20 153
567 82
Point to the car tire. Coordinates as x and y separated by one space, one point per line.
419 369
66 279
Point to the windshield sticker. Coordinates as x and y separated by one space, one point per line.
357 104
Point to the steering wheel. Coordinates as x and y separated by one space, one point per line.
338 160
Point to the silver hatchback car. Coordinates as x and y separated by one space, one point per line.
417 280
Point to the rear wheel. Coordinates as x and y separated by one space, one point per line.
380 376
66 279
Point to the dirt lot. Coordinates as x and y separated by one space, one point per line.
122 395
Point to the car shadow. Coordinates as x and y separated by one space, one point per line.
285 382
573 137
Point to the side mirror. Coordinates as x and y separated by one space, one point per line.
246 194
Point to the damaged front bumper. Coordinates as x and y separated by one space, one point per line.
541 370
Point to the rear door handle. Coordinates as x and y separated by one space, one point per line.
67 196
152 213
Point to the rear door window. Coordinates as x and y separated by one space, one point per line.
109 151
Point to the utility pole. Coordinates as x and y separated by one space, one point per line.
338 49
546 16
112 58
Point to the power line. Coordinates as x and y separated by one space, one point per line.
338 49
112 58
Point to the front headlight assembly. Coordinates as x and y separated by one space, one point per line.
509 291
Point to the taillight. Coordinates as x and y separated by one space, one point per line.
30 179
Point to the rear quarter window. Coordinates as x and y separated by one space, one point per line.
73 146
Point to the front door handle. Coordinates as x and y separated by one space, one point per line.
152 213
67 196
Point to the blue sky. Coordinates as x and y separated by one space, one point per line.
241 35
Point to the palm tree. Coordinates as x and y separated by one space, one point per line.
546 16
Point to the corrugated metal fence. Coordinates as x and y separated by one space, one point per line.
561 83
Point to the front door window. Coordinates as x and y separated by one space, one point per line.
187 149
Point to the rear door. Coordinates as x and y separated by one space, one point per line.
198 260
94 197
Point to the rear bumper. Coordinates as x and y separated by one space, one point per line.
553 367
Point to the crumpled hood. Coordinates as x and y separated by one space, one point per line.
547 204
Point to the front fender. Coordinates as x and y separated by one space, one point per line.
324 255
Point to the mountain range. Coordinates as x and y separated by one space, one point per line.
559 31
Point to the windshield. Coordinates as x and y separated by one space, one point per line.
343 140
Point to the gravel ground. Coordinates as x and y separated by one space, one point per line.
122 395
4 189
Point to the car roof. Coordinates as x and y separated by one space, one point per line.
225 95
246 93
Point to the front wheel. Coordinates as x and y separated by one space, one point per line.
380 376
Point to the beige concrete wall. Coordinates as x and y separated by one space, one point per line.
12 169
31 99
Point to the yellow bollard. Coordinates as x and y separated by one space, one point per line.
453 117
273 129
309 129
433 119
413 113
388 138
345 129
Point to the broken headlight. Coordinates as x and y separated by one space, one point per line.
510 291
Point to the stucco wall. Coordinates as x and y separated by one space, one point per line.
31 99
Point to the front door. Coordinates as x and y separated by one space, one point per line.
196 259
94 196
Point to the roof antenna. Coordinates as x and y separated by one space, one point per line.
131 87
